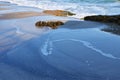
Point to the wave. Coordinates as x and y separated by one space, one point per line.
80 7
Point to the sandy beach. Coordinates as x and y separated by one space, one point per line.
16 15
77 50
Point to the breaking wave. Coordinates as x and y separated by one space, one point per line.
80 7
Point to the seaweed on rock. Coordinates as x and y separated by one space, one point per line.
52 24
104 18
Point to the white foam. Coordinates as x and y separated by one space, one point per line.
80 9
19 31
46 50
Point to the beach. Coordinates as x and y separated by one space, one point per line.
76 50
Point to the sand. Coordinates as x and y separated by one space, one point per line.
20 15
14 14
3 5
3 8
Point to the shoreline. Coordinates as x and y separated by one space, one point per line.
20 21
74 51
18 15
26 11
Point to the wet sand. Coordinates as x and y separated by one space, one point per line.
15 20
17 25
16 15
3 8
3 5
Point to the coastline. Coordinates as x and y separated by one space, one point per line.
19 23
73 51
17 15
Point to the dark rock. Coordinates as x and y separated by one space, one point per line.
52 24
104 18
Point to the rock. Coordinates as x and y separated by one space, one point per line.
52 24
104 18
58 12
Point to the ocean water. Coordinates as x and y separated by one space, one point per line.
80 7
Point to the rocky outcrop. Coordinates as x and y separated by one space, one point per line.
58 12
52 24
104 18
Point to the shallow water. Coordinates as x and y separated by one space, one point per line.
71 55
78 50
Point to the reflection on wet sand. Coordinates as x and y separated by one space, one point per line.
3 9
3 5
15 15
112 28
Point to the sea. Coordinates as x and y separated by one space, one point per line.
81 8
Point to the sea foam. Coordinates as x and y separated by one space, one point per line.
79 7
48 47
